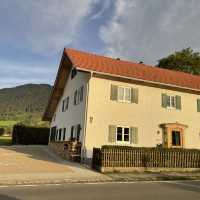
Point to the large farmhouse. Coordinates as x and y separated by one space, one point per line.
98 101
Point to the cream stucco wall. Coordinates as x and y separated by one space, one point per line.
75 113
147 115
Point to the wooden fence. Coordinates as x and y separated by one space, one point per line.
124 157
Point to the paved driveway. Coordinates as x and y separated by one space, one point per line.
29 159
26 164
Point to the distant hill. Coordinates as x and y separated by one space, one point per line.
25 103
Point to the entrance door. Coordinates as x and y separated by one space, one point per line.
176 139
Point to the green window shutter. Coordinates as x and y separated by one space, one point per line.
198 105
178 102
113 93
164 100
134 95
134 135
112 134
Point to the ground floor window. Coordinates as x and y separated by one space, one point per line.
123 134
53 133
75 132
57 134
60 134
176 138
64 134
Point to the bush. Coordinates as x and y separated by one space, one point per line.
2 130
30 135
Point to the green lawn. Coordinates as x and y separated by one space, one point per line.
5 140
7 123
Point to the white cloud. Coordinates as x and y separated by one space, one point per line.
148 30
104 7
42 26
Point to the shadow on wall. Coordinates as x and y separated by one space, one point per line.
5 197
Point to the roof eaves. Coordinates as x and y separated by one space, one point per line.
140 80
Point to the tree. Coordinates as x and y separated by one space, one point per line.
186 61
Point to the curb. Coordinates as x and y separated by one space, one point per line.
85 181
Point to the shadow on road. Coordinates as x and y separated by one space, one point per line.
5 197
37 152
193 186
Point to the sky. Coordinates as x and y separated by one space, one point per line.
33 33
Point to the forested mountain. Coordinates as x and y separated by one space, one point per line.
25 103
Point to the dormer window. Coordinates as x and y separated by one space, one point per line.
73 73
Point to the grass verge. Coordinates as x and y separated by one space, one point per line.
5 140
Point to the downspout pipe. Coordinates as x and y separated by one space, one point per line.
84 151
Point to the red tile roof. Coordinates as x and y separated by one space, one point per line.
102 64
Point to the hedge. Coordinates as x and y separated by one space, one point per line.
2 130
30 135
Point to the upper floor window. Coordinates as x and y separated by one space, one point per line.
124 94
65 104
78 96
73 73
171 101
75 97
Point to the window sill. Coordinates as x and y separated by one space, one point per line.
123 142
127 102
171 108
177 147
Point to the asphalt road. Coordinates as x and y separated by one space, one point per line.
113 191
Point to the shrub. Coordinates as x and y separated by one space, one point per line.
30 135
2 130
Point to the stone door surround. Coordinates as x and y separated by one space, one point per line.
168 128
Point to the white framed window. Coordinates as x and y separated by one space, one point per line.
75 97
124 94
122 134
73 73
64 134
171 101
65 104
75 132
78 96
60 135
54 118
